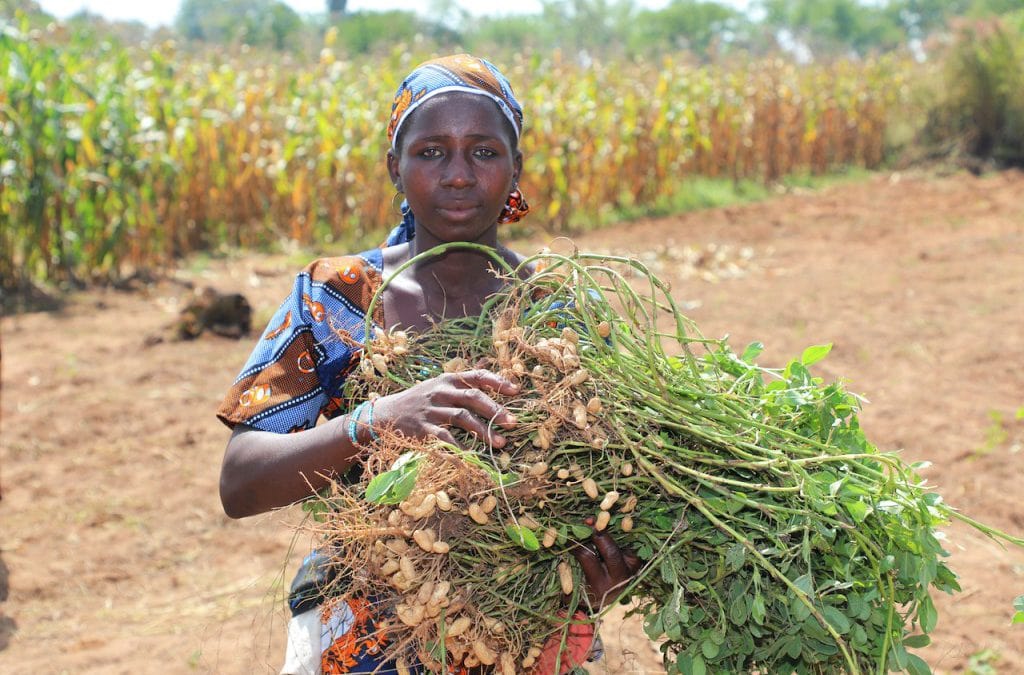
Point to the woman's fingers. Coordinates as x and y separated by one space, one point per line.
483 406
453 400
482 378
468 421
607 567
476 384
614 557
633 562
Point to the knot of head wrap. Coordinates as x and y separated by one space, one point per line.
461 73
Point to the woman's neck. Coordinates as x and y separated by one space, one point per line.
458 272
452 284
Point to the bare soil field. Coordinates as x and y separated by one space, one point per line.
115 555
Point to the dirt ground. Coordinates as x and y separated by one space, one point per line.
115 556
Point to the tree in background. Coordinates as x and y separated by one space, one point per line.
363 31
255 22
834 27
856 28
919 18
979 108
695 25
593 26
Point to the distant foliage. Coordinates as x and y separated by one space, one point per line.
980 107
116 159
269 23
364 32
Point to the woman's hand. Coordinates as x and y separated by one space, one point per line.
607 567
434 406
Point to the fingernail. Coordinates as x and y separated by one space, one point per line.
499 441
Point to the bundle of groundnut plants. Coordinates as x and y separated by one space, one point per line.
774 537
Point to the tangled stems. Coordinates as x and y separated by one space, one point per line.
750 491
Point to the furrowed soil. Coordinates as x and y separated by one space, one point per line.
115 555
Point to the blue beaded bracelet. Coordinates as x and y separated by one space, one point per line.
354 420
369 421
353 423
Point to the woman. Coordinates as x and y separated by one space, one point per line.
454 134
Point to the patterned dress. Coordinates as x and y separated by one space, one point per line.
293 377
296 371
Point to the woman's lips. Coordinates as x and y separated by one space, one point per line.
457 211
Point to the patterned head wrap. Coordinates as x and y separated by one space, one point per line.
462 73
459 72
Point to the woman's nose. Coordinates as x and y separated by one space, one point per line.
458 173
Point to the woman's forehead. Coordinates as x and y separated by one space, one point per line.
459 112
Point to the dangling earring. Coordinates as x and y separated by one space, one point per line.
515 209
397 207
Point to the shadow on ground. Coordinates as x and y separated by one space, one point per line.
7 625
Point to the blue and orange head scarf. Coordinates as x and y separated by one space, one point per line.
461 73
458 73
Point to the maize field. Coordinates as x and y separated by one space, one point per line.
116 159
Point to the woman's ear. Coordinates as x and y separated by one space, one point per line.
396 179
517 168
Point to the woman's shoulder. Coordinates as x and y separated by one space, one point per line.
349 268
339 285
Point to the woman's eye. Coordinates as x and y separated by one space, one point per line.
430 152
485 152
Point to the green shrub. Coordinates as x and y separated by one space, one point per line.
982 108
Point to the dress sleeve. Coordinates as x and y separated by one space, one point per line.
295 372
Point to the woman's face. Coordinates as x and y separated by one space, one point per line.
456 164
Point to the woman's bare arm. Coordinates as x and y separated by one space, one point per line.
264 470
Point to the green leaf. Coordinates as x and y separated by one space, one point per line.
674 616
798 610
739 611
392 487
653 626
754 350
580 531
668 571
379 485
1018 604
757 611
927 615
316 508
815 353
916 641
523 536
709 649
859 609
836 619
858 510
917 666
735 556
804 583
698 667
436 649
898 656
